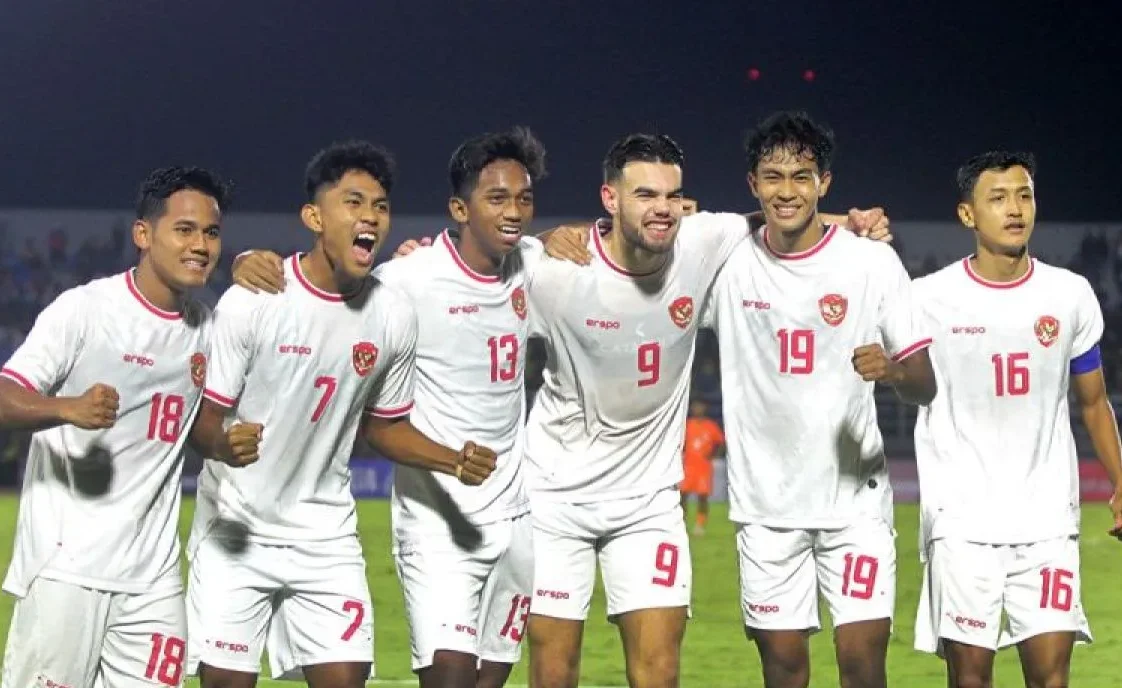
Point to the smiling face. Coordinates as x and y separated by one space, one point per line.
183 243
352 220
1001 210
646 203
788 184
498 209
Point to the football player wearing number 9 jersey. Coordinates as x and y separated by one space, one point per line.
110 379
998 469
275 559
807 318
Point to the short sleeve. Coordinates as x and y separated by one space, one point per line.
231 346
532 251
903 327
392 395
545 289
46 356
1088 320
715 234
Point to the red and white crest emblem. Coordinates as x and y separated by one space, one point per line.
1047 330
363 356
833 308
681 311
198 369
518 303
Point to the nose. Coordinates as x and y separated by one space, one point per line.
512 211
1015 209
786 190
200 243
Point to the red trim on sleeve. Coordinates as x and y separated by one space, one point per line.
19 379
397 412
219 398
921 344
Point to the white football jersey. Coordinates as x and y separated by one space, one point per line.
997 460
306 364
609 420
100 508
471 359
804 450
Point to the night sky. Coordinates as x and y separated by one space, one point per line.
94 94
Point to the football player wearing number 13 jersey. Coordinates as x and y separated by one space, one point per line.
797 308
998 469
275 560
110 378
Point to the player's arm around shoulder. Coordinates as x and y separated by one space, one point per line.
259 270
42 363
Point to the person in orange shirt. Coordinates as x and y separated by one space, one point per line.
703 441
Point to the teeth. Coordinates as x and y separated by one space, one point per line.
368 236
510 230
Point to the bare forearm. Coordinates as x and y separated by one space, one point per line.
208 437
400 442
22 409
915 385
1102 426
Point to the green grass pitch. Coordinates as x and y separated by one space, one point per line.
716 653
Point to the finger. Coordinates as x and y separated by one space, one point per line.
483 464
426 241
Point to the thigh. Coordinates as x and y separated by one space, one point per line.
325 615
961 598
230 605
145 644
56 636
505 606
1043 591
564 562
442 586
856 568
646 564
778 587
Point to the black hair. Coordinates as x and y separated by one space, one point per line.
792 131
967 175
151 199
329 165
467 163
641 148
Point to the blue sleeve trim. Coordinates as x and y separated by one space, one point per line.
1087 362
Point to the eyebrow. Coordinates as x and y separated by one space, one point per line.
647 189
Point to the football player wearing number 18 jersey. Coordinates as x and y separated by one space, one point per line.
110 380
998 469
275 559
807 318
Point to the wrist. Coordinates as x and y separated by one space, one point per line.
62 409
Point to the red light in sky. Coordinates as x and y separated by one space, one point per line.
753 74
808 75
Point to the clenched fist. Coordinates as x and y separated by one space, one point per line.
96 409
243 438
475 465
873 365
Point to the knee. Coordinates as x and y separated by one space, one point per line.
1057 679
553 667
857 672
653 670
969 681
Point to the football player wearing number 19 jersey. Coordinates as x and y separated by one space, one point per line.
998 470
807 317
110 378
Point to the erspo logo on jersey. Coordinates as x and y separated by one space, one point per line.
833 308
364 355
681 311
518 303
1047 330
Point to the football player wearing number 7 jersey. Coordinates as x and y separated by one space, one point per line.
998 469
807 318
275 560
109 380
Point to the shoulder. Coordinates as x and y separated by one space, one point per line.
1061 278
392 307
400 272
941 280
703 228
238 300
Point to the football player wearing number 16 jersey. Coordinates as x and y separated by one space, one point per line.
110 379
275 560
998 469
807 317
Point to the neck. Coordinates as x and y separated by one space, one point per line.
155 290
473 254
999 267
629 256
321 273
799 240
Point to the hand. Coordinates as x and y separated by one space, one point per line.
244 439
410 245
96 409
260 271
476 464
873 365
871 223
569 242
1116 510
